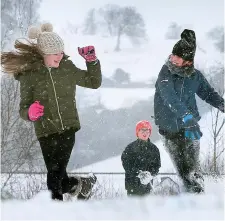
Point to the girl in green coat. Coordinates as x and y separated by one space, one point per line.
48 80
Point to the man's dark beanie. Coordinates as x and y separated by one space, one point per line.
186 47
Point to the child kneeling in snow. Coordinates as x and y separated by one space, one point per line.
141 161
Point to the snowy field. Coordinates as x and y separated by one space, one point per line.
109 200
209 206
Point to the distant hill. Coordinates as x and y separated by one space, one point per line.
109 83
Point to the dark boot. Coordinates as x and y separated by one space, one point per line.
87 186
76 186
69 183
54 183
57 196
194 183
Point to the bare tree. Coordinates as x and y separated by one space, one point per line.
90 23
218 141
174 31
71 28
131 24
8 23
17 16
124 21
220 43
110 13
214 163
217 35
18 143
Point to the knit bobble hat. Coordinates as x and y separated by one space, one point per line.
186 47
48 42
143 124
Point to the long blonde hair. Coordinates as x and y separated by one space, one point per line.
25 57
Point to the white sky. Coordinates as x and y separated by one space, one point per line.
202 14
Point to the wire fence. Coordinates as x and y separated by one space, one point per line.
98 173
26 184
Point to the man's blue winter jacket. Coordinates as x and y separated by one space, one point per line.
175 97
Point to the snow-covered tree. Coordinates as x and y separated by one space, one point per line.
217 35
174 31
18 142
214 161
16 17
90 26
124 21
110 13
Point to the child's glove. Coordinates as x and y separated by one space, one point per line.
192 129
145 177
88 53
35 111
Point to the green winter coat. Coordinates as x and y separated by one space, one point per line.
55 88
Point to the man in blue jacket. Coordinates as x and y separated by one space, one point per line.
176 112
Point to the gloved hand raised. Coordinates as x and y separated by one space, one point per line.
35 111
88 53
145 177
192 129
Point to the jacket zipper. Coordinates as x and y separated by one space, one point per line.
182 89
181 92
49 70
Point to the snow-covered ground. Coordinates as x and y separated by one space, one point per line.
110 201
209 206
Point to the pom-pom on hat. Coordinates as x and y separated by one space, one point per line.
186 47
48 42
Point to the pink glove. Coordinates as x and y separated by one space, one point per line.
35 111
88 53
